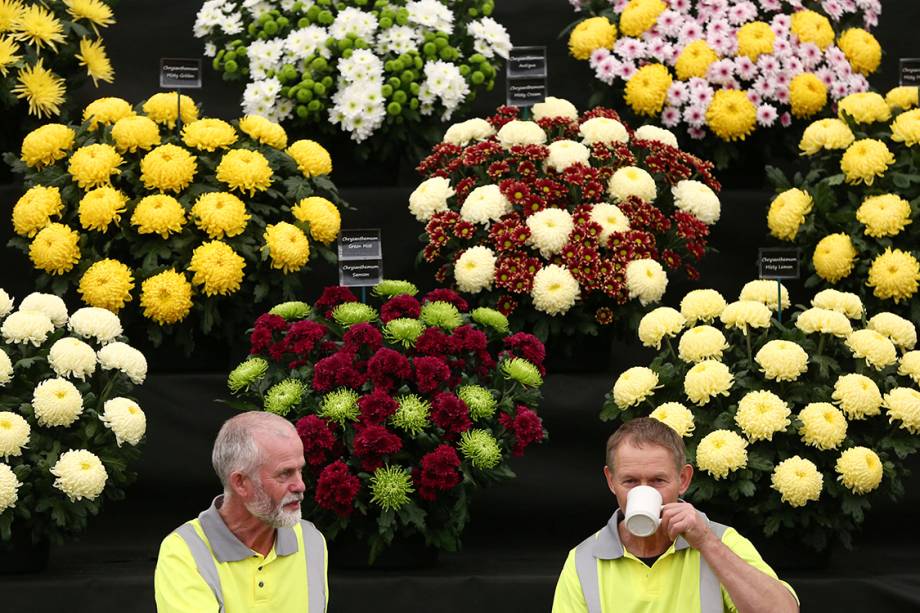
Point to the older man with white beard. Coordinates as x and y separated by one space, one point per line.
251 549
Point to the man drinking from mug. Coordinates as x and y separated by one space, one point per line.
687 563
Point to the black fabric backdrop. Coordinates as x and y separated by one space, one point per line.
519 533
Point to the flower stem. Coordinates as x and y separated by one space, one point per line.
821 344
747 338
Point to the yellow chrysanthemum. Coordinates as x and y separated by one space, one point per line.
647 89
92 55
787 213
658 324
93 165
798 481
640 15
323 217
168 168
8 54
829 134
903 404
695 60
884 215
812 27
843 302
910 366
857 395
245 171
135 132
745 314
834 257
38 26
859 469
894 275
41 88
877 349
590 34
807 94
220 214
164 109
702 305
107 284
701 343
721 452
761 414
755 38
311 157
287 245
864 107
209 134
55 249
897 329
862 49
96 12
34 210
731 115
46 145
633 386
782 360
903 98
675 415
167 297
100 207
706 380
824 321
266 132
823 425
906 128
217 268
106 111
9 13
158 214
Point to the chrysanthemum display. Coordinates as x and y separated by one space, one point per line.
851 212
404 409
68 434
560 221
139 216
379 72
803 422
728 69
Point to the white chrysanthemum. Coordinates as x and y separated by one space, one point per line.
355 22
474 270
49 304
565 153
463 133
490 38
6 304
910 366
698 199
261 98
264 57
878 351
646 280
521 133
701 343
56 402
71 357
702 305
610 218
549 230
676 415
430 197
443 81
857 395
432 14
6 368
782 360
659 323
843 302
9 488
555 290
657 134
27 327
301 44
824 321
634 385
900 331
127 359
765 292
554 107
101 325
761 414
80 474
632 181
398 40
484 205
14 434
603 130
125 419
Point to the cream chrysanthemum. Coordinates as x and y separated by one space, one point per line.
554 107
463 133
900 331
610 218
125 359
220 214
721 452
14 434
107 284
517 132
80 474
549 230
875 348
894 275
843 302
787 213
24 327
565 153
217 268
646 280
823 425
6 368
660 323
829 134
71 357
158 214
430 197
834 257
765 292
658 135
761 414
903 404
857 396
798 481
884 215
287 245
9 488
166 297
675 415
706 380
859 469
603 130
49 304
101 325
824 321
56 402
633 386
701 343
702 305
555 290
910 366
474 270
698 199
782 360
632 181
745 314
485 204
125 419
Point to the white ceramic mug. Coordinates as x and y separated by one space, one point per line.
643 510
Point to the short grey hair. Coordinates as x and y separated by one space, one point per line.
236 448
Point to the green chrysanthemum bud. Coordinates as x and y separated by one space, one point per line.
492 318
248 372
404 331
480 448
339 406
283 396
522 371
391 486
352 313
393 287
412 414
441 314
479 400
291 311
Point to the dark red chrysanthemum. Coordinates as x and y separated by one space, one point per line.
361 336
301 339
468 338
387 368
377 406
443 294
430 373
373 443
527 346
337 370
318 439
263 333
433 341
526 426
450 414
336 489
438 472
400 306
332 297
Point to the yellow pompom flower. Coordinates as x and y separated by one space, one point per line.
106 112
167 297
323 217
878 351
168 168
96 12
829 134
647 89
903 98
92 55
164 109
107 284
834 257
731 115
755 38
158 214
590 34
807 94
675 415
55 249
906 128
770 293
861 49
220 214
857 396
884 215
843 302
41 88
859 469
135 132
245 171
894 275
812 27
701 343
745 314
208 134
660 323
823 425
898 330
217 268
46 145
798 481
782 360
721 452
34 210
910 366
704 305
706 380
100 207
93 165
903 404
761 414
694 60
640 15
38 26
824 321
787 213
287 245
311 157
864 107
264 131
633 386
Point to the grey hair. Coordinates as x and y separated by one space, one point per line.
236 449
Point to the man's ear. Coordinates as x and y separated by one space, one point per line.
608 474
686 475
241 485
